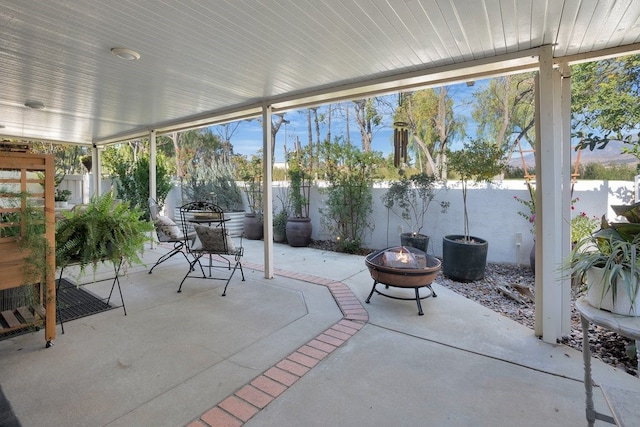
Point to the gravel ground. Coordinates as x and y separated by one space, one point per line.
607 346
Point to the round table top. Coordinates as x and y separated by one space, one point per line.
628 326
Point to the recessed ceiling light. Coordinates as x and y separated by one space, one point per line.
124 53
36 105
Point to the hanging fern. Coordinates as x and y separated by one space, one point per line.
103 230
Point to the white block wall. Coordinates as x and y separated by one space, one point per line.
493 214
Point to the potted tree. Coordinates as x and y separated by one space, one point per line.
409 198
608 262
299 227
280 226
251 174
465 256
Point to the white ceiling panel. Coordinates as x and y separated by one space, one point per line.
199 59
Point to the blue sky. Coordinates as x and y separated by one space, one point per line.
248 138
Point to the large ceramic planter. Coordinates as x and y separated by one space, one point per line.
418 241
600 297
464 261
253 226
299 232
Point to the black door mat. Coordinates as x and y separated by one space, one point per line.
75 302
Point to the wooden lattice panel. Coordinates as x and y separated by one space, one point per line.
26 179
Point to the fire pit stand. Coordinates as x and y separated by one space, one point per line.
403 267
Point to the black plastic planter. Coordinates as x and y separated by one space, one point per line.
464 261
418 241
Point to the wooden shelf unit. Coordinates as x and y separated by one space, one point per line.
32 175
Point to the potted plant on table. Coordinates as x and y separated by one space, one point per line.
409 198
465 256
608 263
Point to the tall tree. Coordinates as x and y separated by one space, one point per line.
605 102
433 124
367 117
505 111
66 156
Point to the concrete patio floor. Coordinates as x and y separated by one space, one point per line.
296 350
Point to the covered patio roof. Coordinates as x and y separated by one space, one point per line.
211 62
196 63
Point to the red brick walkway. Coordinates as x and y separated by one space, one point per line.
238 408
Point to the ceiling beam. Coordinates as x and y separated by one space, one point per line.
614 52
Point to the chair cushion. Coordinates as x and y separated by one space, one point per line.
166 225
212 239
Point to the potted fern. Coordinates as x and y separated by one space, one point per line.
103 230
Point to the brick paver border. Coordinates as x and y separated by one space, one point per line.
251 398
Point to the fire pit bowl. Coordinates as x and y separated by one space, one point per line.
403 267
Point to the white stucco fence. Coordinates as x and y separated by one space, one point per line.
493 214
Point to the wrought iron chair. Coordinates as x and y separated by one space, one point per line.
167 232
209 224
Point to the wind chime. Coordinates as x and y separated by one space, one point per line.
400 142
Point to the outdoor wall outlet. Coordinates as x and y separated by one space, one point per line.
518 239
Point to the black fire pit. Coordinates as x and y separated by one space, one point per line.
403 267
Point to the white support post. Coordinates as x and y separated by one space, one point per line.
96 168
267 195
152 174
152 165
567 193
549 155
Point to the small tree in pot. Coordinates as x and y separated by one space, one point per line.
250 171
465 256
299 227
409 198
